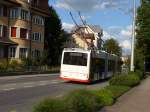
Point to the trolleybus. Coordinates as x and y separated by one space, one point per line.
87 65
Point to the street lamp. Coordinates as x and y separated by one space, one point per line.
133 37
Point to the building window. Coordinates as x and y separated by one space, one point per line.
4 11
1 52
36 53
24 14
37 36
23 33
29 1
23 52
1 11
13 31
1 30
12 52
14 13
35 3
4 31
38 20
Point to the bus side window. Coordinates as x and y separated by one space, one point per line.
111 65
102 65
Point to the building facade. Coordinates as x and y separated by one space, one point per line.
22 24
85 36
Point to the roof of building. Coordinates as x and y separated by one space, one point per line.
8 42
9 2
94 28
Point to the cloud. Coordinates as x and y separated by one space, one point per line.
127 32
122 35
63 5
90 5
114 30
78 5
67 26
126 44
106 36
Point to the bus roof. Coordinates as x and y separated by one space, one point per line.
76 50
96 53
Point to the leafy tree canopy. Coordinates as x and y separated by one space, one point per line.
143 28
54 37
112 46
143 33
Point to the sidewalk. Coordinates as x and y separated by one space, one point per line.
136 100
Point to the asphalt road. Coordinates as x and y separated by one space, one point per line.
21 93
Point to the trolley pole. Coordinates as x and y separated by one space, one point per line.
133 36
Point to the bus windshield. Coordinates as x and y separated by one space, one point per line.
75 58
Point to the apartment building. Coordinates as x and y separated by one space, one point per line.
22 28
85 36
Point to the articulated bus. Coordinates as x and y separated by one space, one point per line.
87 65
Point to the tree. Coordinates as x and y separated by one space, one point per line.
143 33
54 37
112 46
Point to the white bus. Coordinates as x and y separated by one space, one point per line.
87 65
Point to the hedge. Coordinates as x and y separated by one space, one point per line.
125 80
50 105
117 91
82 100
139 73
105 96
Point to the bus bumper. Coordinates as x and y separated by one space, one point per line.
76 80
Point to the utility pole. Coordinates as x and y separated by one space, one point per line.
133 36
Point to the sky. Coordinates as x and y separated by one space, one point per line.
113 16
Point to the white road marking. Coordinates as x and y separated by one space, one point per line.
29 83
12 86
29 86
7 85
42 84
44 81
55 81
9 89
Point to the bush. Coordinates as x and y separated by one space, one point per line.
82 101
3 65
125 80
117 91
13 65
53 69
138 73
50 105
105 96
